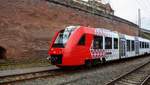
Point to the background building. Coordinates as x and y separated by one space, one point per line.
97 5
27 26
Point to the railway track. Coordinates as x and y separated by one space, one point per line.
28 76
10 79
146 81
138 76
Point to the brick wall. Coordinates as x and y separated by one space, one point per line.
27 26
86 18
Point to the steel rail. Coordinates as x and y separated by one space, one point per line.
27 76
145 80
123 75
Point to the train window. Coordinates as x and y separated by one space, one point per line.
63 37
82 40
128 45
147 45
142 44
115 43
108 43
133 45
98 42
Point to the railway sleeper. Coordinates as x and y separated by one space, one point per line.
135 77
122 83
130 81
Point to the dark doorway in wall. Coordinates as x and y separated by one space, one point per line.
2 52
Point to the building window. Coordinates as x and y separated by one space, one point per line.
133 46
108 43
128 45
82 40
115 43
98 42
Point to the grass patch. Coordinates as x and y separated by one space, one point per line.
26 63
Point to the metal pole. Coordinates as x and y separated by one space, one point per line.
139 21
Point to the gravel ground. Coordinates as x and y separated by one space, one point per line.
148 82
95 76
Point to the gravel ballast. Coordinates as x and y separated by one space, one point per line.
95 76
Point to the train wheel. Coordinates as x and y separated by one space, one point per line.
96 61
103 60
88 63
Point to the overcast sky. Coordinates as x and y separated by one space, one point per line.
128 9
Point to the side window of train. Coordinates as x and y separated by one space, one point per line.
145 44
133 45
82 40
98 42
115 43
142 44
108 43
128 45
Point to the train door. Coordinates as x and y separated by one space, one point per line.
137 46
122 49
122 46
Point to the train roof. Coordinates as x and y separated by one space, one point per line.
143 39
129 37
106 32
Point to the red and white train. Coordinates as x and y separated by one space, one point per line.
79 45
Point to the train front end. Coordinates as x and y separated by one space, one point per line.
58 48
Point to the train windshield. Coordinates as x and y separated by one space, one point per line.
63 37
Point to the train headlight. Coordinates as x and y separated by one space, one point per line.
48 58
52 49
